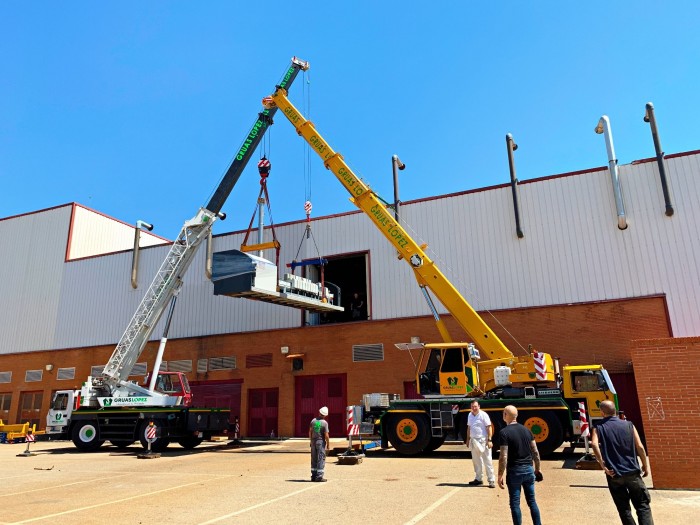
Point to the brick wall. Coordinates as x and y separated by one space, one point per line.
668 373
582 333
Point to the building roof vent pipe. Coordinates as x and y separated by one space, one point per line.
603 127
511 147
651 119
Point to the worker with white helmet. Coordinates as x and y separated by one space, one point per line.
320 443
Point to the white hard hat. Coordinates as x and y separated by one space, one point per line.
323 411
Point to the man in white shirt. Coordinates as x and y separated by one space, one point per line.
479 435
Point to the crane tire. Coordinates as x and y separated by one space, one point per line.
85 436
189 442
548 432
121 443
435 443
409 433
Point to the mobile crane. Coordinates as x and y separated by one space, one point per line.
109 406
449 375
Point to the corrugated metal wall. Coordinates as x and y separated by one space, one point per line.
31 278
572 252
95 234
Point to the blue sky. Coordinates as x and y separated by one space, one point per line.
136 109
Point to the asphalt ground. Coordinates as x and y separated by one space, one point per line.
269 482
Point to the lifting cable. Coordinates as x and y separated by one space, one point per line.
308 233
264 166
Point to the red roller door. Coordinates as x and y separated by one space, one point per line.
223 394
313 392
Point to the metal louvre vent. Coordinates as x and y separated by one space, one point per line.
33 376
258 360
202 366
371 352
96 371
163 366
223 363
65 373
5 377
140 369
183 365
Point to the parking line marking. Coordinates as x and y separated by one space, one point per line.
268 502
104 504
53 487
434 506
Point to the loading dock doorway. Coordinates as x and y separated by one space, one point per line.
347 275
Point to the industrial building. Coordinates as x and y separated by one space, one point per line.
574 285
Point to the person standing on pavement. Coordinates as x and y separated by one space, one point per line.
320 443
479 435
518 452
616 445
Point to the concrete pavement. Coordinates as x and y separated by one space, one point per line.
268 482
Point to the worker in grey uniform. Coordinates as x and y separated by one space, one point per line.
320 443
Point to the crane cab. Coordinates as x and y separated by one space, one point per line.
447 369
174 384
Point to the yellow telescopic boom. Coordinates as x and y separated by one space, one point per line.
425 271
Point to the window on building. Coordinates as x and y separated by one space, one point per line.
183 365
223 363
32 376
5 377
65 373
140 369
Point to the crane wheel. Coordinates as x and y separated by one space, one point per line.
547 430
435 443
409 434
121 443
189 442
85 436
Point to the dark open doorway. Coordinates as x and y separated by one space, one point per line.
346 275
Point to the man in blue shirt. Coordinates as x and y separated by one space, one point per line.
616 445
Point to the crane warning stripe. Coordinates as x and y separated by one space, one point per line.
585 431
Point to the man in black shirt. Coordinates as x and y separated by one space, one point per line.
518 453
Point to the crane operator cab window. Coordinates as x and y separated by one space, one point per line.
588 381
172 384
430 379
60 401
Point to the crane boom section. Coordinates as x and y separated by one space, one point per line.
251 142
168 279
426 272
